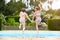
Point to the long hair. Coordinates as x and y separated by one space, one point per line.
37 7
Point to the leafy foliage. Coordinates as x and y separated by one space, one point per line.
2 4
13 8
54 24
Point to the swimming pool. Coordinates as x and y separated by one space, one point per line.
30 33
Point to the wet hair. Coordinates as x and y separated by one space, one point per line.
23 10
37 7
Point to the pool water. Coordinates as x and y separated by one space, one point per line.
30 33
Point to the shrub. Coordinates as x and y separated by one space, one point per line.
31 24
11 21
54 24
2 17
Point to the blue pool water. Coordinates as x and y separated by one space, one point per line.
30 33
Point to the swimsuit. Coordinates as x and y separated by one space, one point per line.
21 20
39 18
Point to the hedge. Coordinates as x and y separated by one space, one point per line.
54 24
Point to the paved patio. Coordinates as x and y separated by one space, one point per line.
30 38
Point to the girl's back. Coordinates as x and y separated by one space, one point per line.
22 14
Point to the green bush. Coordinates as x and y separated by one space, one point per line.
31 24
16 18
11 22
2 17
54 24
14 21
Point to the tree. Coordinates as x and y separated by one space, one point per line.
34 3
58 12
2 4
19 6
8 10
13 8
